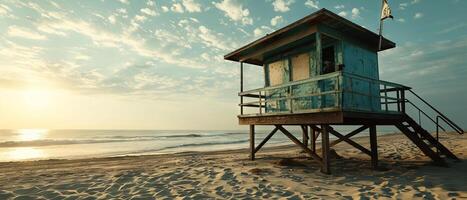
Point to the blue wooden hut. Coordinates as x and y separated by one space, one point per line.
323 70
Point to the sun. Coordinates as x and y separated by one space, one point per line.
36 98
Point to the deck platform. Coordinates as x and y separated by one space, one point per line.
331 118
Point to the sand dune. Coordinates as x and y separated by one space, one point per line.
278 173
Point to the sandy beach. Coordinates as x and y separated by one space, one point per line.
278 173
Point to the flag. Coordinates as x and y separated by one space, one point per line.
386 11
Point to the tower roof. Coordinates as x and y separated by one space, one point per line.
322 16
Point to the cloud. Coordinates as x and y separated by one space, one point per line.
211 39
277 20
124 1
342 14
402 20
167 38
5 11
150 3
453 28
177 7
426 64
260 31
234 11
282 5
339 7
48 30
140 18
355 13
165 9
403 6
418 15
80 56
112 19
22 32
148 11
312 4
191 6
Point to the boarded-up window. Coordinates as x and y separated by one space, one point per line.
278 72
300 66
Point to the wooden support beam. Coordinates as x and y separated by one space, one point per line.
266 139
254 96
305 135
313 137
349 141
374 147
297 142
325 167
252 142
355 132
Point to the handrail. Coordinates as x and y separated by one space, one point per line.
376 80
453 125
426 115
318 78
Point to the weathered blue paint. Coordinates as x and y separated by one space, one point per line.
360 62
345 92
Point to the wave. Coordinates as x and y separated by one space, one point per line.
136 137
36 143
235 133
103 139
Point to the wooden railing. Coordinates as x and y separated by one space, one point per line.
329 92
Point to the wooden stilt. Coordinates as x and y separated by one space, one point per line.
313 140
325 168
305 135
374 147
252 142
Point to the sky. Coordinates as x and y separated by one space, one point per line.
147 64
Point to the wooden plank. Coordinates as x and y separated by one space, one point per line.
325 167
252 105
297 142
254 96
293 119
354 132
252 142
374 147
266 139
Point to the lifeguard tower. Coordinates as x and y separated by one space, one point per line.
322 71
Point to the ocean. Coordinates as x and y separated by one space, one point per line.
41 144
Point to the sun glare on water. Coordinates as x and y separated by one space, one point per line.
31 134
25 153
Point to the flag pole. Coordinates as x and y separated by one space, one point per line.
380 27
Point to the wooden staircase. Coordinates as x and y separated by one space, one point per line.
429 145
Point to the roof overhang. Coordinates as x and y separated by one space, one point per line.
303 28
